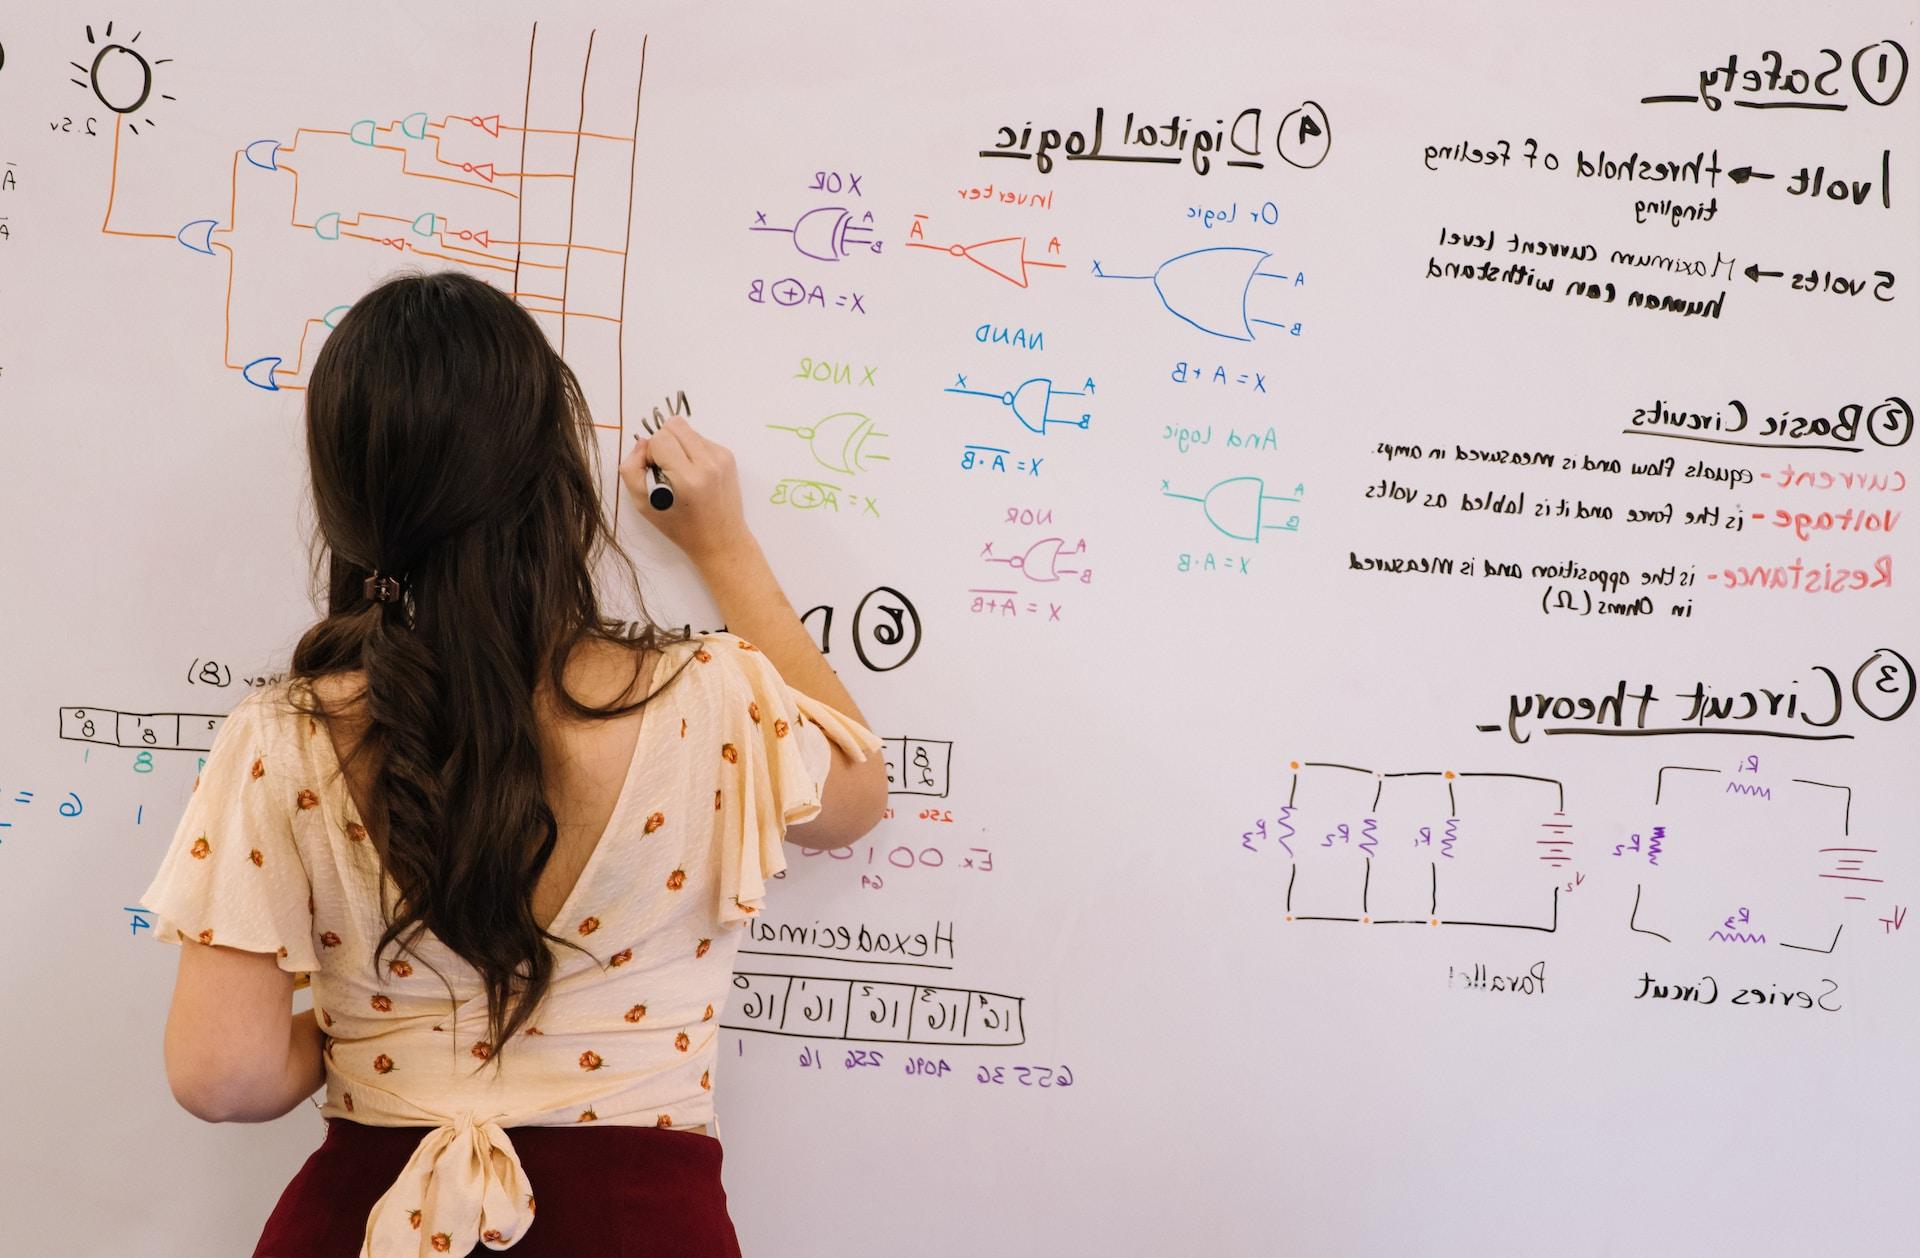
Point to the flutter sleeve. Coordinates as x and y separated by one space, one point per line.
774 761
233 875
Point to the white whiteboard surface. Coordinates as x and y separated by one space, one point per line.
1327 938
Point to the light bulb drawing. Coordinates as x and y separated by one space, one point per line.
120 76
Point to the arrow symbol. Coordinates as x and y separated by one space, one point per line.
1740 174
1754 272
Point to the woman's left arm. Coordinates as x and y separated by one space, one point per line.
235 1050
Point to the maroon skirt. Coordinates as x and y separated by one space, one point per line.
610 1191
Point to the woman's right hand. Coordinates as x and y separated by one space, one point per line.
707 523
705 520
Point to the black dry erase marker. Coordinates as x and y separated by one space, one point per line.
659 488
659 491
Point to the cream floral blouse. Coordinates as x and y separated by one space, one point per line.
272 857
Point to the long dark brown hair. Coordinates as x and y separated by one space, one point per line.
450 449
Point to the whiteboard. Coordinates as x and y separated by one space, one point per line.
1374 533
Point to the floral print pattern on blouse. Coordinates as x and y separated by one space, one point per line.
271 856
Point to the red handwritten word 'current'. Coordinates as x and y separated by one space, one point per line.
1808 578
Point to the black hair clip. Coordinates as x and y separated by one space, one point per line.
381 589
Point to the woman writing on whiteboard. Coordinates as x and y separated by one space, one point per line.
512 843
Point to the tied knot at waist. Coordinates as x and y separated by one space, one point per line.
463 1186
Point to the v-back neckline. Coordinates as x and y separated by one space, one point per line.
621 802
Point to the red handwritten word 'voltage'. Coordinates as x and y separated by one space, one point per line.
1808 578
